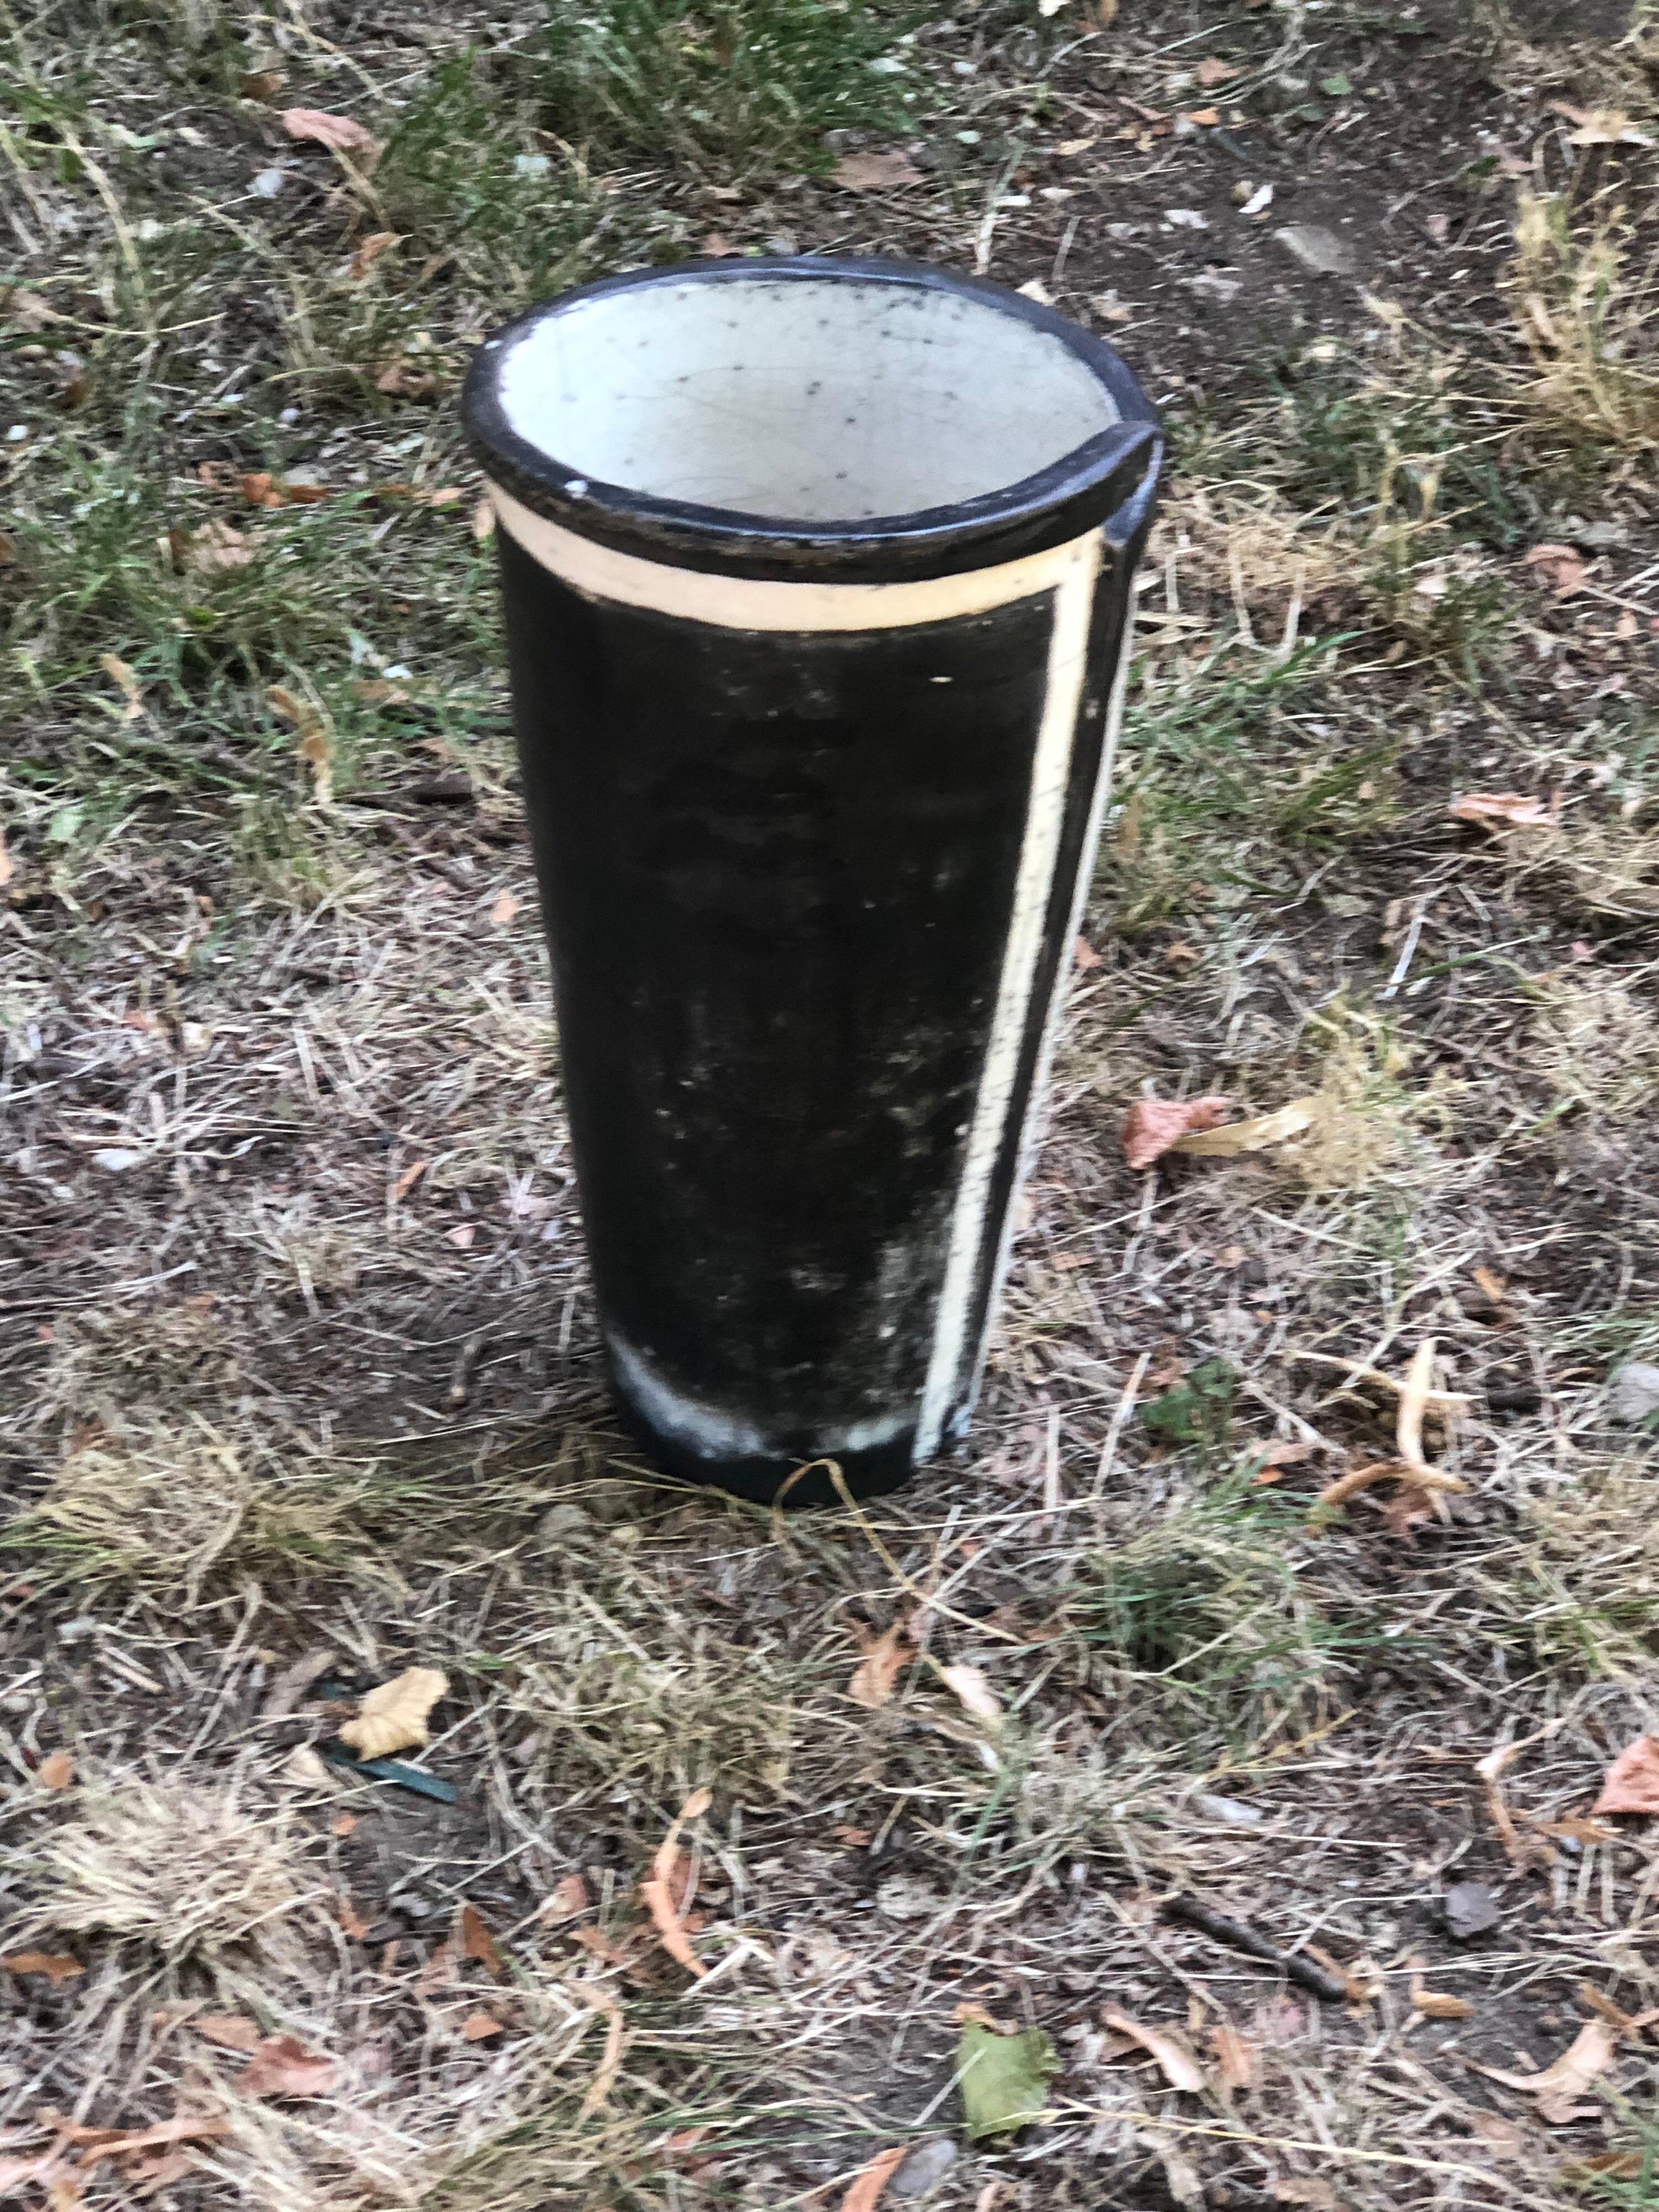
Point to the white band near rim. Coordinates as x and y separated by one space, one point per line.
600 572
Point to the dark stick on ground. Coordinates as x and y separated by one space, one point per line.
1235 1934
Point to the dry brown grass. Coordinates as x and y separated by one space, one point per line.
1589 320
163 1510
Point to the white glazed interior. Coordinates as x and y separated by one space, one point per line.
817 401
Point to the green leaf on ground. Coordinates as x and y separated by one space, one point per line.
1004 2079
1197 1409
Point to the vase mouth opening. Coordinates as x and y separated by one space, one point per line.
803 394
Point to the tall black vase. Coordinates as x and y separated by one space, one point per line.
817 575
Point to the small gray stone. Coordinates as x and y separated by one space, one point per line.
923 2170
1595 537
270 182
1220 291
564 1523
1633 1394
1232 1811
903 1897
1318 249
1470 1909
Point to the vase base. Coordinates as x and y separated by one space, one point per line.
766 1478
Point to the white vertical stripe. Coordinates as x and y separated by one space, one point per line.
1036 1109
1045 819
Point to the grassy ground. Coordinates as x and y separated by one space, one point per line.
298 1360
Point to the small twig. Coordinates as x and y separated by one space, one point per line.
1357 1370
905 1583
460 1379
1239 1937
1407 952
1125 1405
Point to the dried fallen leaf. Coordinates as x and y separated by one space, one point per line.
316 750
341 132
260 488
1412 1507
121 2143
125 682
1614 2165
1440 2004
230 2030
1503 2135
864 2191
484 521
369 251
974 1693
57 1770
55 1966
1235 2057
8 865
407 1181
1626 2023
478 2026
1085 956
1180 2068
1561 567
401 380
1491 1287
1306 2189
1560 2087
476 1940
1414 1398
502 909
1201 118
1253 1136
1436 2004
870 172
1213 72
393 1715
1285 1451
594 1940
305 1770
1491 1770
1502 810
214 546
657 1890
1601 126
349 1918
1632 1782
260 84
876 1676
1152 1125
282 2067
